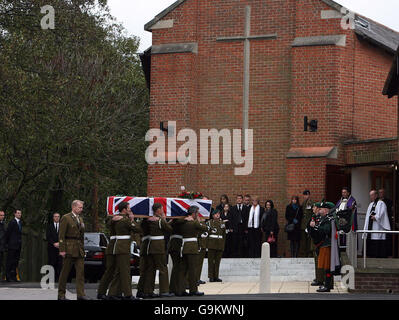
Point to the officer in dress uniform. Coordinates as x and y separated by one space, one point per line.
190 227
216 242
71 239
123 226
319 273
322 235
157 227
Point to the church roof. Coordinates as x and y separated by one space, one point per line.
365 28
391 87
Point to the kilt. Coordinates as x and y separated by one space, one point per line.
324 259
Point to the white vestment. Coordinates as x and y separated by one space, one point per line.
381 222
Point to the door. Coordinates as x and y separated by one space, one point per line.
337 177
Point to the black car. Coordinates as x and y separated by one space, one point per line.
95 244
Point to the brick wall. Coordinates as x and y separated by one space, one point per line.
339 86
376 283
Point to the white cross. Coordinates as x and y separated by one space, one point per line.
246 38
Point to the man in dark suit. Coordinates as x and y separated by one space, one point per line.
13 244
2 242
238 223
54 258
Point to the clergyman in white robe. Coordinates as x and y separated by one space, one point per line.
376 244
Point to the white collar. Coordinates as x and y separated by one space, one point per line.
17 219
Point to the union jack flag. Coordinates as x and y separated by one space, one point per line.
173 207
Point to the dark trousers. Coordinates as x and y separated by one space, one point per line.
214 258
55 260
376 248
294 247
80 275
176 284
2 268
12 263
242 242
228 247
121 281
157 262
145 275
189 267
110 272
254 242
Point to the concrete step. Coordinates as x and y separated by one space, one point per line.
248 270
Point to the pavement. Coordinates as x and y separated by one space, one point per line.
214 290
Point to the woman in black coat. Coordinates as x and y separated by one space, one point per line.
270 227
293 215
226 216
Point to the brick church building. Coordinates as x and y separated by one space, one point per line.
266 65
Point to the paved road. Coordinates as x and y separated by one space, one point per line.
33 291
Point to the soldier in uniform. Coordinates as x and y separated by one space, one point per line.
319 273
71 239
190 227
322 235
176 285
145 274
203 248
305 246
157 226
216 242
123 226
110 264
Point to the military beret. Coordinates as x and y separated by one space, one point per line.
325 204
306 192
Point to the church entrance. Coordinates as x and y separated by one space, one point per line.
378 176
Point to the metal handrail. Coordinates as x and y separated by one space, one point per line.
365 238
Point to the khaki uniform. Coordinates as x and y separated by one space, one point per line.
110 262
189 250
121 252
216 242
157 256
71 240
203 248
305 248
145 273
176 285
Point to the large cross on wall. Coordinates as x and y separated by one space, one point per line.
246 38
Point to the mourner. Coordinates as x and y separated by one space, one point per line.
53 252
216 241
270 227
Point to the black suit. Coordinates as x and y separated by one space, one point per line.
255 235
14 244
238 222
53 253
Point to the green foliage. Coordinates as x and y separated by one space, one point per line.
73 109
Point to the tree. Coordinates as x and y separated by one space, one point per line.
73 109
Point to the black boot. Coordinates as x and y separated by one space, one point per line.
327 285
